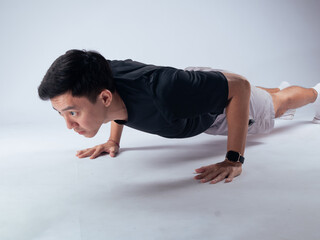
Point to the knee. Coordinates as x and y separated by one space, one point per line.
289 101
281 103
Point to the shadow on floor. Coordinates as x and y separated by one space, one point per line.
171 154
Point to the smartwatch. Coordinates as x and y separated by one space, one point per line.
234 156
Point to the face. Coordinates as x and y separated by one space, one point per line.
80 114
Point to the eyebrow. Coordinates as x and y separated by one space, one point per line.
67 108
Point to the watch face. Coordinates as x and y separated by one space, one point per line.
233 156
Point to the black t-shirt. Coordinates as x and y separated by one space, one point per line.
169 102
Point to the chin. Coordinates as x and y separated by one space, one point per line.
89 135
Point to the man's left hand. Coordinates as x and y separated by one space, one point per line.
219 171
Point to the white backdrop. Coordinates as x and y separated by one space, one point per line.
48 193
266 41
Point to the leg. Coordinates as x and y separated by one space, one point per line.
270 90
282 86
292 98
261 112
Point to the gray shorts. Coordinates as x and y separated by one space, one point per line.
261 114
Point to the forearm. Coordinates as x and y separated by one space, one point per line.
237 118
237 113
116 132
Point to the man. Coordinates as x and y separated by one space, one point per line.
87 90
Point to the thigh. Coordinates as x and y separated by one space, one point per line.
261 111
261 115
278 104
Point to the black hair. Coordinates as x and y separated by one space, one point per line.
81 72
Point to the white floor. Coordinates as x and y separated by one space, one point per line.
148 191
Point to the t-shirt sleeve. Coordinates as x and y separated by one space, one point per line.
185 94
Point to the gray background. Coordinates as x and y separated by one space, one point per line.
148 190
266 41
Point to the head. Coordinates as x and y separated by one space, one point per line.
80 86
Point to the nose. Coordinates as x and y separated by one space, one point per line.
70 124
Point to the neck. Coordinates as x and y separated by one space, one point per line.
117 109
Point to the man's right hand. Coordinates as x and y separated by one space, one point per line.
109 147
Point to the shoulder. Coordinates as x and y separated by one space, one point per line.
129 69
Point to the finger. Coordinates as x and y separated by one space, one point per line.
205 171
96 153
220 177
201 176
231 176
198 177
200 170
86 153
210 176
228 180
112 152
82 151
204 176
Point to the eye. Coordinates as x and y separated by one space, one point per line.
73 114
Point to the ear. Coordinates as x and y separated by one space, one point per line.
106 97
